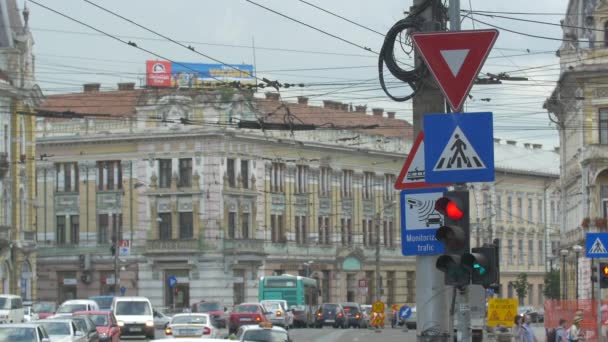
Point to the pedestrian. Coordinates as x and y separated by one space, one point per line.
518 330
561 333
528 333
574 333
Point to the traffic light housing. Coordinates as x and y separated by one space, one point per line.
482 265
603 275
454 234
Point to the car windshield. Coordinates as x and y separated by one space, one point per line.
330 307
4 303
99 320
70 308
189 319
246 308
133 308
265 335
366 309
17 334
56 328
43 307
208 307
351 309
272 306
103 302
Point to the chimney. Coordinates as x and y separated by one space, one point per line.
377 111
527 145
272 96
91 87
391 115
537 146
361 109
511 142
497 140
126 86
303 100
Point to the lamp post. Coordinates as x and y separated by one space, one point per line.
577 250
563 253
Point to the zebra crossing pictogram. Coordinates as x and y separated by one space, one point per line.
458 154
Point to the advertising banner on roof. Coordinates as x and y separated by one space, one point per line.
195 75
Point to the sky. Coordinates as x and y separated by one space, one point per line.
339 67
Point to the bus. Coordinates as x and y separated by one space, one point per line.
301 293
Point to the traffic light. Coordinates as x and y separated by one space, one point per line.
85 261
482 265
82 259
454 234
603 275
113 249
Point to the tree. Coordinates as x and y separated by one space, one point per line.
552 290
521 286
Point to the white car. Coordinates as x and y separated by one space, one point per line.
134 316
279 314
73 305
23 332
265 331
62 330
191 325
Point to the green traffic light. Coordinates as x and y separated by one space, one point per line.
480 269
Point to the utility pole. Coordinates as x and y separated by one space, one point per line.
378 278
433 319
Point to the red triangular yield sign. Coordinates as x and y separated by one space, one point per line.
412 173
455 59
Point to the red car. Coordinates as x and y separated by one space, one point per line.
245 314
105 323
42 310
215 311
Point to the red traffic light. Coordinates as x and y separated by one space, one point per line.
449 208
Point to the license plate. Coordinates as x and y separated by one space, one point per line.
245 319
135 329
329 320
189 332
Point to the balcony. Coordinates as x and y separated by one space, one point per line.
5 236
4 164
27 241
172 247
244 247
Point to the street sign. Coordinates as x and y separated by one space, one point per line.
405 312
412 173
455 59
172 281
420 221
501 311
124 248
461 148
378 307
597 245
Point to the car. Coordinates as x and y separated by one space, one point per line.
134 316
27 313
196 339
215 310
263 332
30 332
277 314
191 325
43 309
160 319
302 317
330 314
285 307
244 314
84 324
410 322
433 219
105 324
104 302
352 313
62 330
366 313
70 306
11 309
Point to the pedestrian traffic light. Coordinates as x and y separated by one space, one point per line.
481 264
113 249
81 260
603 275
454 234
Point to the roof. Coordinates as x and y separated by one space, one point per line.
10 22
191 314
21 325
519 159
119 103
94 312
79 301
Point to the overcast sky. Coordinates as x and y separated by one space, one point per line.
69 54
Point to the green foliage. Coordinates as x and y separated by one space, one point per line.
552 289
226 93
521 286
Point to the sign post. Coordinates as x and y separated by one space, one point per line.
596 248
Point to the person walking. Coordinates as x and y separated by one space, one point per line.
574 333
528 333
518 330
561 332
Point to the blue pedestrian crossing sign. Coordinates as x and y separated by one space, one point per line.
597 244
172 281
459 148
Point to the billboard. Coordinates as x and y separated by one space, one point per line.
193 75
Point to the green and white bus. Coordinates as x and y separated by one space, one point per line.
301 293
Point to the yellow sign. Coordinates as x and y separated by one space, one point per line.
378 307
395 307
501 311
377 320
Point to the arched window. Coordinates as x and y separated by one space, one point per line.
26 281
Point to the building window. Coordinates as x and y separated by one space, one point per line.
231 225
231 172
109 175
164 226
510 252
531 252
390 284
368 185
540 219
245 223
108 227
324 181
510 209
498 208
186 230
301 233
245 173
520 210
520 252
530 216
368 232
60 230
553 220
486 206
531 294
185 172
347 183
541 299
67 177
343 231
74 229
391 234
301 181
277 177
277 228
389 184
324 235
541 254
164 173
603 126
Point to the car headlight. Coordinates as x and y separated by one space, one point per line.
120 323
149 323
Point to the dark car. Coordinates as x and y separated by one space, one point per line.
86 325
330 314
301 316
216 311
353 314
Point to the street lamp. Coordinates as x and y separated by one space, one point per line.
563 253
577 250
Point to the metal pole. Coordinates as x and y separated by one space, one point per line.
600 338
563 276
576 281
378 278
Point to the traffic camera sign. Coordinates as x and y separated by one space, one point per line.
455 59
